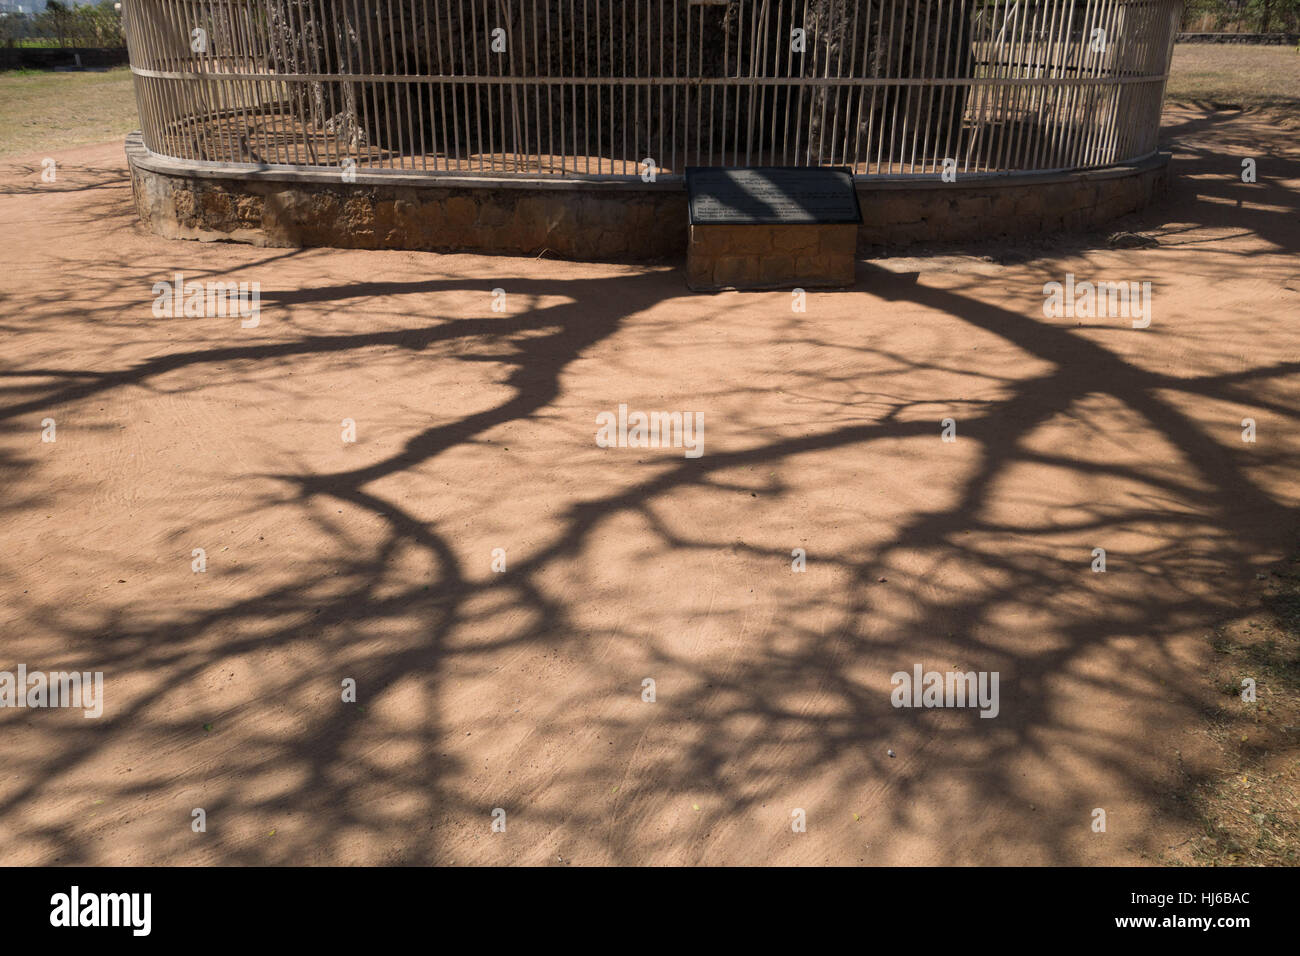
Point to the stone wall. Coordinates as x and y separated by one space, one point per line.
568 224
619 221
1015 207
771 257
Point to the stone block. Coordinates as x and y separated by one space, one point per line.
735 271
461 213
974 207
898 210
841 240
797 240
493 214
747 240
771 256
777 269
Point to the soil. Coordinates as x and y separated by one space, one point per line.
521 689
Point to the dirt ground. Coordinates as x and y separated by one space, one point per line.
522 690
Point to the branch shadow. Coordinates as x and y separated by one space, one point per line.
384 594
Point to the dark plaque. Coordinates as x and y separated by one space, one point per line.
771 195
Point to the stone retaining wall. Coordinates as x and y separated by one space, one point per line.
621 221
771 257
896 214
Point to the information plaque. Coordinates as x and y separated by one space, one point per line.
771 196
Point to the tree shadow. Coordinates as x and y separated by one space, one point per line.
790 685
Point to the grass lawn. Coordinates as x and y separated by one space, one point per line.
43 110
1230 76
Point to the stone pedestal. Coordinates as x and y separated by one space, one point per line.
771 256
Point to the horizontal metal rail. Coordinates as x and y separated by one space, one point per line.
614 88
843 81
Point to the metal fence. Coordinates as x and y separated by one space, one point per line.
601 88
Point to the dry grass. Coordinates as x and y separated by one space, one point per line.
1248 808
42 110
1232 76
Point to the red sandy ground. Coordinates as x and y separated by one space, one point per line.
522 690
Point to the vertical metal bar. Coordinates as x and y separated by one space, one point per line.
885 42
859 158
1057 80
1019 70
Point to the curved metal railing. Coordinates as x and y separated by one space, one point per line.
609 88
